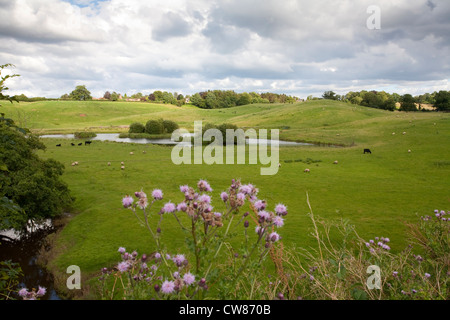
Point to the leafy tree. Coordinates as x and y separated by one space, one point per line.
114 96
136 128
211 100
329 95
442 101
244 99
170 126
198 101
407 103
80 94
154 127
30 188
107 95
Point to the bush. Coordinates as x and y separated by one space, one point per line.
170 126
154 127
137 128
84 135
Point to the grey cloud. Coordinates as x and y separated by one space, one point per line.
171 25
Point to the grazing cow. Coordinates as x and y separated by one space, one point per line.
307 170
80 144
87 143
367 151
58 145
73 144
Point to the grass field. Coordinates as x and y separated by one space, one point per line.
377 192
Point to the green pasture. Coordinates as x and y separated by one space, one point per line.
376 192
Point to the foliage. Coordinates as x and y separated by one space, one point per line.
136 127
10 274
170 126
84 135
154 127
407 103
442 101
219 99
81 93
208 234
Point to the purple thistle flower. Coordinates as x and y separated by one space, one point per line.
157 194
264 215
41 292
395 273
240 196
278 221
127 201
274 237
224 196
217 214
203 185
427 275
281 209
157 255
123 266
23 292
167 287
184 188
122 250
205 198
182 207
169 207
246 189
189 278
179 259
260 205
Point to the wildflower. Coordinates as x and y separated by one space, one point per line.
281 209
240 196
179 259
41 291
414 291
122 250
23 292
427 275
127 201
264 215
278 221
260 205
274 237
203 185
184 188
140 194
143 202
189 278
157 194
246 189
169 207
246 224
168 287
367 244
395 273
205 198
224 196
157 255
123 266
182 207
217 215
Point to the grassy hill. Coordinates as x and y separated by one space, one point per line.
376 192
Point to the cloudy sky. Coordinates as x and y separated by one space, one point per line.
295 47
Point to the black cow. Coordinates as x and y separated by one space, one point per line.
80 144
87 143
58 145
367 151
73 144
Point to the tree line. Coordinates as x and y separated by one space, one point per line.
383 100
218 99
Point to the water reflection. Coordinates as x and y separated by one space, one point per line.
114 137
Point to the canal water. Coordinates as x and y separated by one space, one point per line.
24 250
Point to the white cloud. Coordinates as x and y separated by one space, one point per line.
295 47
